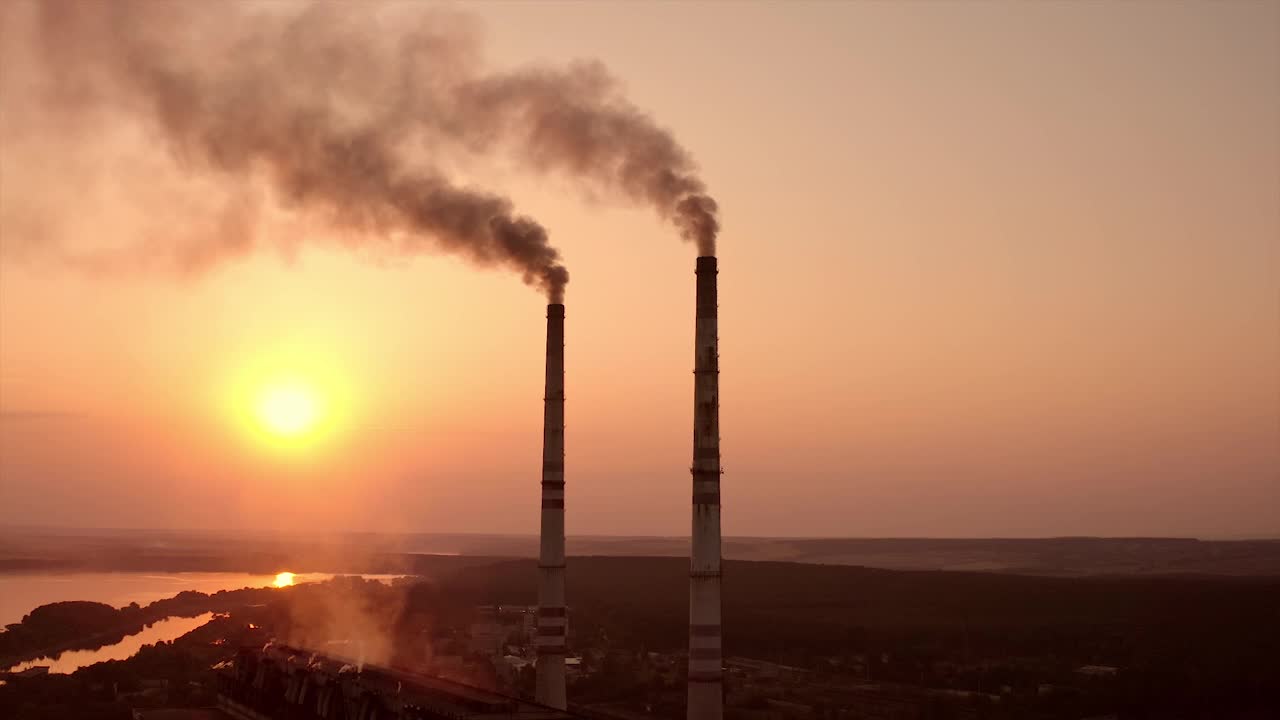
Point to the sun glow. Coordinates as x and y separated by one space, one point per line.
284 579
293 403
289 410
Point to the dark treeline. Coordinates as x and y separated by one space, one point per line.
760 596
1188 646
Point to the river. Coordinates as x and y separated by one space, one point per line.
159 631
22 592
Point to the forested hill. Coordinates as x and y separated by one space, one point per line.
796 612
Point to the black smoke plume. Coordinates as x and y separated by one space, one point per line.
352 114
578 122
282 95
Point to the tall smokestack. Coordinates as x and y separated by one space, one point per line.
705 689
552 615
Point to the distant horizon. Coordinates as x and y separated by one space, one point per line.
8 527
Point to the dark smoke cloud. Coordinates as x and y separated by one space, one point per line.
286 97
337 111
577 121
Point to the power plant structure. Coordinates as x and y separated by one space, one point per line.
706 694
279 681
552 613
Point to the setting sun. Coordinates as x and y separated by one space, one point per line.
289 410
291 401
284 579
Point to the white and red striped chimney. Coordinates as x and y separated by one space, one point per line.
706 693
552 623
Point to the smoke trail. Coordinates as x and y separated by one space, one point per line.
292 99
347 115
577 121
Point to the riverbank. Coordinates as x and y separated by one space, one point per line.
180 673
77 625
69 661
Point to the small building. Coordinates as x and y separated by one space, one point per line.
497 625
765 670
510 667
180 714
486 637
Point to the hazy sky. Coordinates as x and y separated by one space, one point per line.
986 269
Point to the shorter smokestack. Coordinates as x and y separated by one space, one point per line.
706 691
552 614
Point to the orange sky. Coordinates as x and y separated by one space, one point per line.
986 269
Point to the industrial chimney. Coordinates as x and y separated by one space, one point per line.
705 689
552 617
